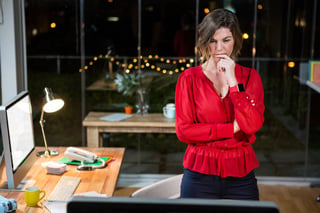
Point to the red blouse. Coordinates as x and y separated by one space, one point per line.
204 121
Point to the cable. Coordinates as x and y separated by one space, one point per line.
84 167
102 165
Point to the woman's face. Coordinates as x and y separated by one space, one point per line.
221 43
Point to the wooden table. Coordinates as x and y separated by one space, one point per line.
102 181
149 123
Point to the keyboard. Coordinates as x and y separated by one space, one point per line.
64 189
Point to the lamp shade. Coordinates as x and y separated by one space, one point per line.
51 104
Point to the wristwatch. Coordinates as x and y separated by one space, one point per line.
237 88
240 87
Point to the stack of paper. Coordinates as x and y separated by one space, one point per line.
56 168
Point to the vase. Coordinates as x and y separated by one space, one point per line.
142 104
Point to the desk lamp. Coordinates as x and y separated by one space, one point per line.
51 104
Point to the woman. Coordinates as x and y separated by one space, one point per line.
219 108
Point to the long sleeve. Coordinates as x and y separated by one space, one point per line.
248 105
188 128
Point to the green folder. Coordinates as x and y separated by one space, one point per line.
67 161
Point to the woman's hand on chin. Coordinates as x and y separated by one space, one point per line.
227 66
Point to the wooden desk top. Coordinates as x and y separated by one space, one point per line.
148 123
100 180
137 120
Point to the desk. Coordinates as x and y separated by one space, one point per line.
100 180
149 123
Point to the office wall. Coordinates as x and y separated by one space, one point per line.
12 49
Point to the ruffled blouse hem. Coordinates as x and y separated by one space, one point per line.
237 162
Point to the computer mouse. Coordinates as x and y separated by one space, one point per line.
318 198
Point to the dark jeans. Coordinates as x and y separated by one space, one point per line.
197 185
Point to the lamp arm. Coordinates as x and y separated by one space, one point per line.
41 122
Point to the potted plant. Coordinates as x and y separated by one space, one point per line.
127 84
128 109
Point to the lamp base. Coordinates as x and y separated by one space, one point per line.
44 154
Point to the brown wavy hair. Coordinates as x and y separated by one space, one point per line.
211 23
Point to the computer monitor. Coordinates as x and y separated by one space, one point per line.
17 139
182 205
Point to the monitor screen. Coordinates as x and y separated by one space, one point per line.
182 205
17 136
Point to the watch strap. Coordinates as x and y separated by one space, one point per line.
240 87
237 88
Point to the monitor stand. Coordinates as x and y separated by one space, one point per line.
19 182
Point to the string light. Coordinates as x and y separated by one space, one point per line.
206 10
167 66
53 25
245 35
291 64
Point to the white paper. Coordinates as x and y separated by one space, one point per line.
56 207
61 207
115 117
90 194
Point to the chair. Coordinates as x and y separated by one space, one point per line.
166 188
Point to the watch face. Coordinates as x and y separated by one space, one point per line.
241 87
